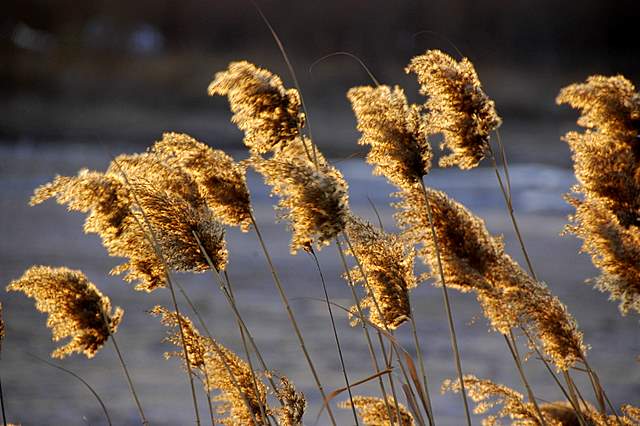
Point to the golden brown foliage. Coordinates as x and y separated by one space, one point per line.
489 395
473 260
75 306
607 198
222 181
395 131
313 198
388 265
373 411
293 403
268 113
137 194
220 369
457 107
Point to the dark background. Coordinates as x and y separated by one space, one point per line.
124 71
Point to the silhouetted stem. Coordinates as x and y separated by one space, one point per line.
447 303
292 319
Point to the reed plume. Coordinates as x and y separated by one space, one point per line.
225 372
388 265
76 308
457 107
313 198
395 131
269 114
607 197
488 395
140 189
293 402
373 411
221 181
475 261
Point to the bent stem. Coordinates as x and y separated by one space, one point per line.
129 381
245 347
445 294
512 345
151 235
423 398
222 357
335 334
292 319
76 376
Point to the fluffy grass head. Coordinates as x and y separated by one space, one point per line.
76 308
457 107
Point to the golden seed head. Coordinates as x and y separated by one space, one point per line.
473 260
313 199
388 266
221 181
293 403
373 411
76 308
607 198
457 107
269 114
488 395
614 249
395 131
608 104
218 367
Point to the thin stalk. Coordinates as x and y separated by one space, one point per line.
206 393
84 382
511 344
423 371
4 415
600 393
246 350
156 247
573 398
335 335
447 303
386 327
216 348
372 351
129 381
292 319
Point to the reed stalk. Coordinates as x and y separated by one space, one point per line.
156 247
335 335
447 303
365 330
129 381
292 319
424 402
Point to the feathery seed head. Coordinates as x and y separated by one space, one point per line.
473 260
489 395
608 104
219 368
268 113
457 107
373 411
76 308
221 181
293 403
313 199
388 265
395 131
607 199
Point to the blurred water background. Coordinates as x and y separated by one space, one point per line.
82 81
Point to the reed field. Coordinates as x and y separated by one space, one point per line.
187 229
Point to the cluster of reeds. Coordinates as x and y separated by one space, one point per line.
166 210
